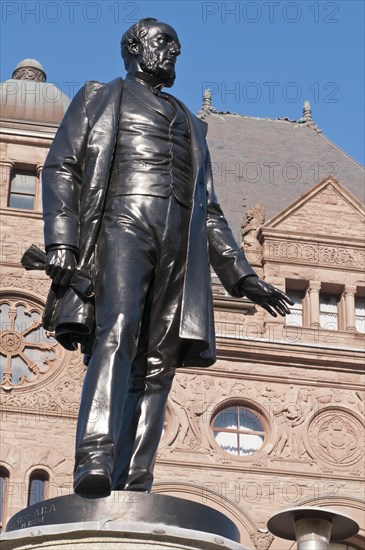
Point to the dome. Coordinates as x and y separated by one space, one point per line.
29 69
28 96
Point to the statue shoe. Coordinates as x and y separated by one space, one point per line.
93 478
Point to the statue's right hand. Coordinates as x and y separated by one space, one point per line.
60 265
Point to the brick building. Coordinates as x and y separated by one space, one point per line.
278 421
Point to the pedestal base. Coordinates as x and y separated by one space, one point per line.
111 535
124 520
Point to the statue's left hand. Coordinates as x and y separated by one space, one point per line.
60 265
267 296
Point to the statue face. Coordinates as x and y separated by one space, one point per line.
158 52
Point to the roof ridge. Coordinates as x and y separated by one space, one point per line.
277 119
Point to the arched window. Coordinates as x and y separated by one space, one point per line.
37 486
238 430
4 479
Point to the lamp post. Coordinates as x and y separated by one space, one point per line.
312 527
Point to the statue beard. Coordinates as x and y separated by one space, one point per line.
149 64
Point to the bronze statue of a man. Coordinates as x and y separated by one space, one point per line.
129 207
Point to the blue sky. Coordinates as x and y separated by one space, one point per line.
260 58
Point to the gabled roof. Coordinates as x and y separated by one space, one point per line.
272 162
327 209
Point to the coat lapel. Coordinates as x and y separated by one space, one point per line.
144 94
198 144
102 104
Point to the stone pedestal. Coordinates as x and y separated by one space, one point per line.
124 520
112 535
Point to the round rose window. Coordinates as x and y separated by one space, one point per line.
27 351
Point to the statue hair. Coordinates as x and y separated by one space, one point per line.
134 35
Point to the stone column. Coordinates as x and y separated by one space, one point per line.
349 297
314 288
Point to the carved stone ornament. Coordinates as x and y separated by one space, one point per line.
317 254
39 287
61 398
28 353
262 541
29 73
337 437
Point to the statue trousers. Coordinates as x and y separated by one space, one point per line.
140 259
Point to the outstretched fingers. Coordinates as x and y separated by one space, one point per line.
282 305
282 296
275 303
268 308
280 308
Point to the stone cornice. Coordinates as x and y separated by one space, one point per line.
298 355
248 467
19 213
271 233
31 139
220 372
12 125
233 304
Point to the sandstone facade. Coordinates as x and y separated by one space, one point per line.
302 382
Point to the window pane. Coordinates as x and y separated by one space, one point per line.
227 419
36 491
2 500
296 311
22 201
250 421
328 321
328 312
20 369
328 303
250 443
228 441
360 314
23 182
239 430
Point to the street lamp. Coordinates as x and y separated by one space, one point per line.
312 527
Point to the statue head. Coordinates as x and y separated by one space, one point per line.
151 46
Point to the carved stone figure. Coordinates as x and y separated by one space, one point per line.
131 224
290 417
255 218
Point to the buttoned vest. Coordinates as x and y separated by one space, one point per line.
153 152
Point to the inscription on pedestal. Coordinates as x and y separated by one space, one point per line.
126 506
